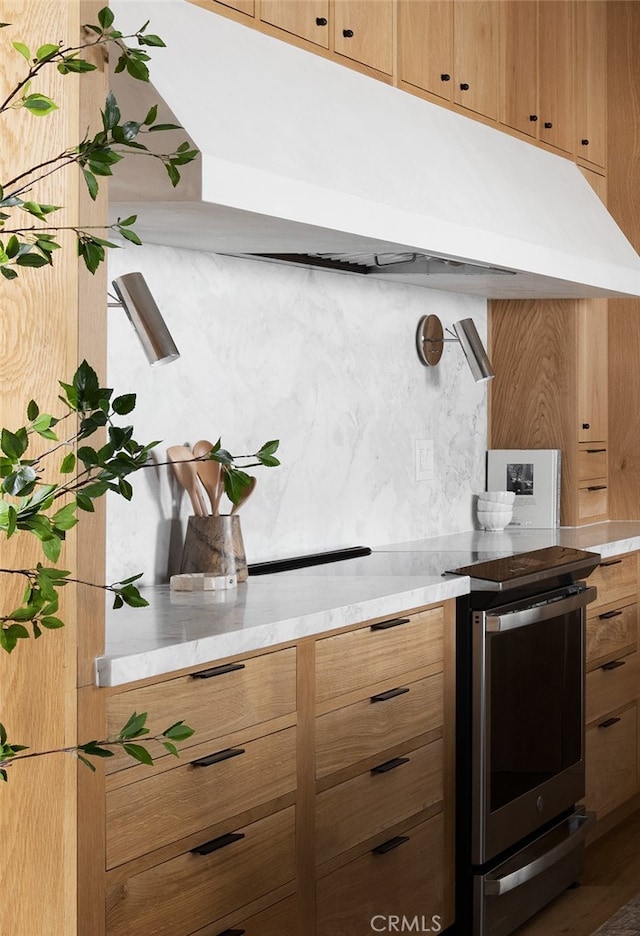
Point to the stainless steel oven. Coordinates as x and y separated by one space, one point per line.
520 645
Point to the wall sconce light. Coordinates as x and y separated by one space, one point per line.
134 296
430 344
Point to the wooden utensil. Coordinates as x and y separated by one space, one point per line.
246 494
210 473
185 468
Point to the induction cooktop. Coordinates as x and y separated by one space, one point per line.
530 567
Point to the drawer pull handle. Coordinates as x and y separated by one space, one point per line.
597 487
389 845
390 765
389 694
614 664
218 757
232 932
385 625
218 670
609 614
608 723
217 843
595 451
611 562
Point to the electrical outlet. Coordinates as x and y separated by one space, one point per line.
425 466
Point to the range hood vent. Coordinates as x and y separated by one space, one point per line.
306 161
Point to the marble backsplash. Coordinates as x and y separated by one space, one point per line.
326 363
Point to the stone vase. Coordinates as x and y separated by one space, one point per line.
215 545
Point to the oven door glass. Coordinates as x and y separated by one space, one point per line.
535 700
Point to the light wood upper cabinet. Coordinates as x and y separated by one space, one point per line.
363 31
242 6
555 63
590 125
519 64
308 19
592 370
449 48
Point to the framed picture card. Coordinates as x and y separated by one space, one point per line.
534 477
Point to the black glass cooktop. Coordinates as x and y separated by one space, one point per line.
532 566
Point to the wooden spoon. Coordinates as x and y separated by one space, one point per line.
181 458
210 473
246 494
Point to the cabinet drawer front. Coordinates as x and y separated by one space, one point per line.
611 631
611 688
407 880
615 579
592 461
611 763
369 803
358 658
348 735
282 919
142 816
179 896
592 501
263 688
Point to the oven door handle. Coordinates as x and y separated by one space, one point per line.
499 623
578 825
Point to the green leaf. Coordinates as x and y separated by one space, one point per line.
65 518
14 444
131 236
164 126
151 115
178 731
105 17
127 221
87 763
51 548
46 51
7 273
122 405
139 753
39 104
84 503
171 748
32 260
125 490
134 727
23 50
151 40
9 636
92 186
94 749
136 68
75 65
130 129
68 463
111 113
51 623
33 410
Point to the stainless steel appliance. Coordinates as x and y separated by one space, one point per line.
520 730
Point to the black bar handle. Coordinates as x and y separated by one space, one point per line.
611 562
389 845
218 757
597 487
218 670
595 451
608 723
232 932
609 614
614 664
390 765
389 694
385 625
221 842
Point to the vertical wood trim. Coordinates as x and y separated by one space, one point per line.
449 759
305 798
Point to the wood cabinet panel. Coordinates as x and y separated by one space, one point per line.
593 369
519 66
308 19
260 688
592 461
425 45
593 501
141 816
409 880
555 61
612 688
590 70
282 919
611 631
363 31
615 579
476 35
348 735
180 896
364 806
350 661
611 757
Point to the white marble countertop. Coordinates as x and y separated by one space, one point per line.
183 629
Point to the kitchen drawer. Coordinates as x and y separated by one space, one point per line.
611 631
349 661
212 786
611 758
366 805
180 896
592 461
214 700
615 579
405 879
282 919
365 728
612 686
593 501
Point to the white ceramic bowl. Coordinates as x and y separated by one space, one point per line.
498 497
494 520
492 506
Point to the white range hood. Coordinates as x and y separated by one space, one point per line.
302 156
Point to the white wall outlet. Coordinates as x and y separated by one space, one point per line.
425 466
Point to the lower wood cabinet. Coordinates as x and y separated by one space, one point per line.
611 753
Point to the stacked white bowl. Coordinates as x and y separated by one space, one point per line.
495 509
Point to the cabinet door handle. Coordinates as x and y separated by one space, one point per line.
389 845
584 142
393 622
218 757
221 842
445 77
595 451
586 425
218 670
232 932
597 487
533 117
614 664
608 723
389 694
390 765
548 125
609 614
464 86
320 21
347 33
610 562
